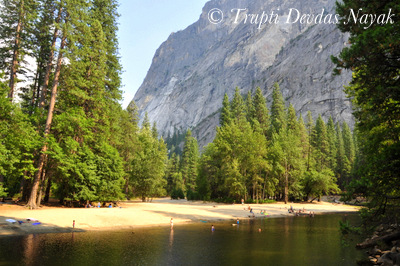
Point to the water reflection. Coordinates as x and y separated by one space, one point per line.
171 238
28 250
283 241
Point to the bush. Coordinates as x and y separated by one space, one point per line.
3 192
192 195
177 194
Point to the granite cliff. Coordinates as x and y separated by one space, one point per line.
193 69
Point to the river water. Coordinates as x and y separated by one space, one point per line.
282 241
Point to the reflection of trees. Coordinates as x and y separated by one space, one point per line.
29 250
171 239
286 226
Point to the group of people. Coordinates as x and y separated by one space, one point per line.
88 205
300 212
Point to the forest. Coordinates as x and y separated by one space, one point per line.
64 134
260 155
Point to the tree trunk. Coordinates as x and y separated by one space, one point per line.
47 193
265 182
385 238
34 89
286 184
32 199
14 64
49 63
41 185
257 194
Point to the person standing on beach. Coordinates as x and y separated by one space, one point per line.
172 223
237 221
242 202
212 228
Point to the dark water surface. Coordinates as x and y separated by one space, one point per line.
283 241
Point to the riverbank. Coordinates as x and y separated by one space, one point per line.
136 214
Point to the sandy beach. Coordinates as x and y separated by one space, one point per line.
141 214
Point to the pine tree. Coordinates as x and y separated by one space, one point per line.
250 109
16 18
304 138
321 145
237 107
149 166
311 135
332 143
292 123
341 158
374 91
261 111
226 115
189 163
146 121
348 142
34 200
277 110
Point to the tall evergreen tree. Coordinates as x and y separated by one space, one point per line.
189 163
332 143
277 110
374 59
261 111
237 107
226 115
149 165
311 134
249 106
17 17
321 144
348 142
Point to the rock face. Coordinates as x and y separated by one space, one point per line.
193 69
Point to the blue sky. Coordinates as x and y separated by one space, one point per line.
143 26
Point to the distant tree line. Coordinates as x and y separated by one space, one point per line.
259 154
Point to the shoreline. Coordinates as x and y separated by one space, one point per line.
133 215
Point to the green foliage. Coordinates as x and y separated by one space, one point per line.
177 194
226 115
3 192
189 162
261 113
18 143
278 116
148 166
260 157
94 149
317 184
374 90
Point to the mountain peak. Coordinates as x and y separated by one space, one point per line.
193 69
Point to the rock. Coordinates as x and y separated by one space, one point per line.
386 259
380 228
373 260
193 69
374 251
396 259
